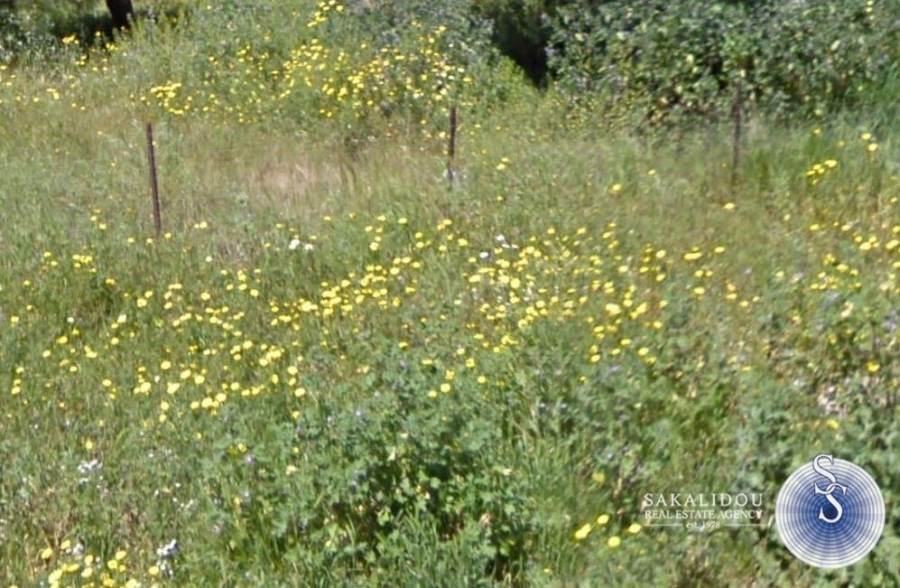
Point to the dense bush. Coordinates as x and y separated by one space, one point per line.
10 34
19 33
666 59
648 62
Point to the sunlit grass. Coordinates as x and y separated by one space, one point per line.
335 368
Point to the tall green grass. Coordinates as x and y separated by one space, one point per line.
511 357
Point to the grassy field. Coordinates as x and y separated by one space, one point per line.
335 368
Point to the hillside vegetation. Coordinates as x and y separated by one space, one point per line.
337 365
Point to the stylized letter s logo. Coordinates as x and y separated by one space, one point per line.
829 529
820 469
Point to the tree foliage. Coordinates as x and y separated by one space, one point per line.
669 59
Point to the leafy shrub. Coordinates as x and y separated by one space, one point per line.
374 471
10 33
663 60
18 33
